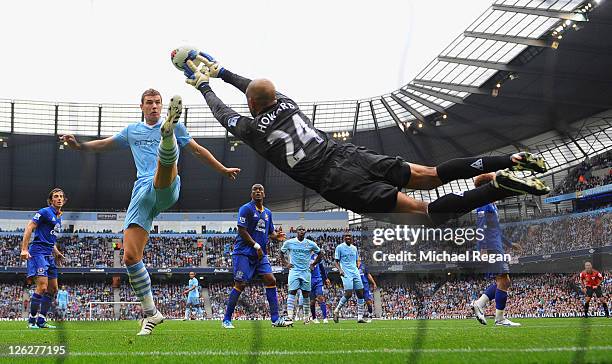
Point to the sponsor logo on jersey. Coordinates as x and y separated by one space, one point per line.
231 122
146 143
261 226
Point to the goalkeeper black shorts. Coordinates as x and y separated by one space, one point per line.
362 180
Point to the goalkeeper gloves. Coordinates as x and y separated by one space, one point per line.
215 68
196 77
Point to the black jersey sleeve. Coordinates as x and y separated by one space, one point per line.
241 83
229 118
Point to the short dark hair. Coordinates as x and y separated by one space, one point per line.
149 92
50 197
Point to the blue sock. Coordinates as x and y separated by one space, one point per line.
323 309
273 302
500 299
290 305
360 302
45 303
231 304
342 302
141 284
34 307
490 291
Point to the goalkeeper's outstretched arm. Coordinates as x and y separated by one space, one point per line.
241 83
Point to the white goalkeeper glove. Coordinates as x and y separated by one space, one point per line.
214 67
199 76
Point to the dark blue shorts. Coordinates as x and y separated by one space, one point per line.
367 294
316 289
246 267
42 266
496 268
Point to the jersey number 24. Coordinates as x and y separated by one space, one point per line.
305 134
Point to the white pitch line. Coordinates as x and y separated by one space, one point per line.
344 352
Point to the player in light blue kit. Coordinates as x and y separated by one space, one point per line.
299 250
41 255
193 297
62 302
492 243
367 279
250 256
155 147
318 277
345 260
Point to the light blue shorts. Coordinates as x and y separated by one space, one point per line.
299 280
352 282
147 202
193 300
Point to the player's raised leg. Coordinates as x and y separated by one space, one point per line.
424 178
168 150
134 240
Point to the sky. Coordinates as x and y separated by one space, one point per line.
107 51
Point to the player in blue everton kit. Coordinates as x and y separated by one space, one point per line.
62 302
299 250
41 255
318 277
250 255
492 243
193 297
366 279
345 259
155 144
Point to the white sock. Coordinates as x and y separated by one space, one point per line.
499 315
483 301
187 313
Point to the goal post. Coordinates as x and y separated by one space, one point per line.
115 309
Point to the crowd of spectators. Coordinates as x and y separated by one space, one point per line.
536 295
581 177
560 234
534 237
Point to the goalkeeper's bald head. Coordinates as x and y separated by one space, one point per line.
261 94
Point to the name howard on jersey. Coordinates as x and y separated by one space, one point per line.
267 118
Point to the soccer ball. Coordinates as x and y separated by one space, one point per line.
181 54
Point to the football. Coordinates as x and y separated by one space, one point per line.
181 54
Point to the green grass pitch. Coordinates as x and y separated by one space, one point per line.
426 341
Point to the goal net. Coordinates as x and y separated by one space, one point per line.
111 310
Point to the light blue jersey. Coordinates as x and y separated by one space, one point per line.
143 140
193 282
299 256
147 201
299 253
62 298
347 256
